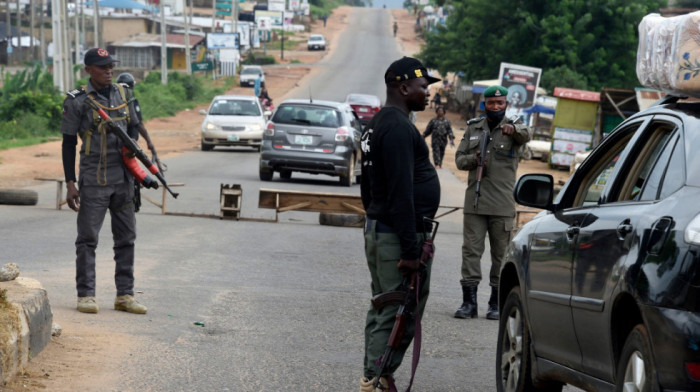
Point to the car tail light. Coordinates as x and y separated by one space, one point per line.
693 369
376 109
692 231
342 134
270 129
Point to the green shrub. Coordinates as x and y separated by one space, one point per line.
259 59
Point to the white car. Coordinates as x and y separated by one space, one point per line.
233 120
316 41
250 73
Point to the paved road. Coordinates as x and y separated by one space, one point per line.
283 304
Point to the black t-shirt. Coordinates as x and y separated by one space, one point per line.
399 184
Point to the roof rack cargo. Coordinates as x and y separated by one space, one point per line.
668 99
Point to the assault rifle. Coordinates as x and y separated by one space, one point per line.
407 298
485 136
129 143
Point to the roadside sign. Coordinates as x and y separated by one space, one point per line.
264 23
202 66
521 82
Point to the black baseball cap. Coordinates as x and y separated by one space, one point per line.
407 68
98 56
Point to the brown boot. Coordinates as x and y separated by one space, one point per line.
127 303
87 305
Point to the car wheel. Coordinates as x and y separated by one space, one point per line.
286 174
527 154
347 177
635 372
19 197
207 147
266 175
342 220
513 361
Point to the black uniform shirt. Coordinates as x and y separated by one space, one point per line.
399 184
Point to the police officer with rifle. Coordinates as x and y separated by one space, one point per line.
105 181
490 151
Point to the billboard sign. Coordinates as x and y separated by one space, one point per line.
522 82
274 16
222 41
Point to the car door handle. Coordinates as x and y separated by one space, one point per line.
572 231
623 229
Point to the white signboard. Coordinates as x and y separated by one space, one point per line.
222 41
275 17
264 23
276 5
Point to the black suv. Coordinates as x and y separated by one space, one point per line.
602 290
317 137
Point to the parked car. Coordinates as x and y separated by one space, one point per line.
316 41
364 105
249 73
233 120
601 290
317 137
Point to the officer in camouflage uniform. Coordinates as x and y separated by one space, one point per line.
496 207
104 181
441 130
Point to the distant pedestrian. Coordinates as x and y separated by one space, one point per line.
396 28
256 86
441 130
325 18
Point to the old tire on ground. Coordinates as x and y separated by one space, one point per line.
21 197
342 220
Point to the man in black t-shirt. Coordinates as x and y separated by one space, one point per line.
399 188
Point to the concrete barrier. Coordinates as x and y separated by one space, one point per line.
29 328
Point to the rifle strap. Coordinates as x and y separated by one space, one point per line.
417 337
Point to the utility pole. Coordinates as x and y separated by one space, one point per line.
188 54
96 23
31 30
42 35
76 59
19 32
63 74
163 47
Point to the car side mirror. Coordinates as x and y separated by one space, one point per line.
534 190
203 112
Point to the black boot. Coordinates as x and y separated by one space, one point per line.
492 313
468 308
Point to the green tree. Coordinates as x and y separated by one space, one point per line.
596 39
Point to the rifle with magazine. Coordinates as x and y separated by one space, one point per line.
480 161
131 146
407 297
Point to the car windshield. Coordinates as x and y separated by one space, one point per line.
363 100
307 115
250 71
316 38
234 107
